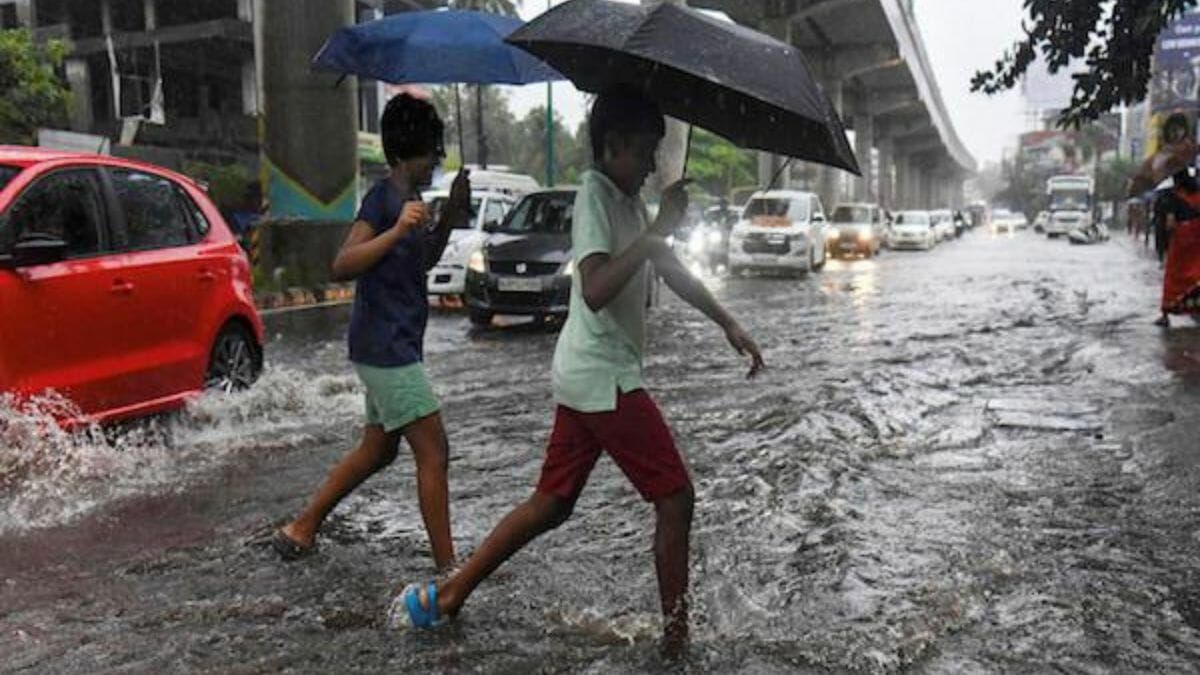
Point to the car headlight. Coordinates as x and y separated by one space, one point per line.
714 237
696 243
477 263
568 268
832 233
864 236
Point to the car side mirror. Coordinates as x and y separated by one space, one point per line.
491 226
37 250
818 218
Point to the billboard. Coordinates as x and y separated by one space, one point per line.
1175 86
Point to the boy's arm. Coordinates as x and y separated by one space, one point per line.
364 248
692 291
456 214
603 275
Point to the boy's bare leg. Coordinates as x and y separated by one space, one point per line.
431 451
536 515
671 541
376 450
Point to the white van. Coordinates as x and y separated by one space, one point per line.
516 184
779 230
449 276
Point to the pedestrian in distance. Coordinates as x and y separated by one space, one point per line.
1181 277
602 404
390 247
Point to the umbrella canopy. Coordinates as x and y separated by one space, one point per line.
433 47
750 88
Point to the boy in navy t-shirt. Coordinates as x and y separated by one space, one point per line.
390 248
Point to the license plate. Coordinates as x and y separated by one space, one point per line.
763 258
519 284
847 245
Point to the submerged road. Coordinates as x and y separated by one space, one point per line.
982 458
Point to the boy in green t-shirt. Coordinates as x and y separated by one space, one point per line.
602 405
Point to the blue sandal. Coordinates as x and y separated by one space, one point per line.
418 616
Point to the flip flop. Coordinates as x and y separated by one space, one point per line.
289 549
406 608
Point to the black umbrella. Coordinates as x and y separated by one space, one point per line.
736 82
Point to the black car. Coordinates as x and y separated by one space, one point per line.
524 266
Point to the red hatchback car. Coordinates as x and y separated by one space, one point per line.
121 286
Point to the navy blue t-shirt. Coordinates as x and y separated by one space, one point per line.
387 324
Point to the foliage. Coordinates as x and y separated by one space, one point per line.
1112 178
1116 38
572 154
227 185
506 7
718 165
34 95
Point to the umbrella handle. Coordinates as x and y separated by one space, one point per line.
778 173
458 123
687 151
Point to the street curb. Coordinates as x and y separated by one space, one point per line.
297 296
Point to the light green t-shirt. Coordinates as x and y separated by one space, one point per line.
599 353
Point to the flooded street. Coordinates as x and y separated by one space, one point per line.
978 459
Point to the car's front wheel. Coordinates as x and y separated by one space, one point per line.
234 363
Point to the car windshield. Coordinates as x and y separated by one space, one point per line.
912 218
794 209
7 173
852 214
1069 200
438 203
547 213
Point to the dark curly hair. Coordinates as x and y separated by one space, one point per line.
1176 120
410 128
622 109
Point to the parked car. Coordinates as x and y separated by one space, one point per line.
123 288
449 276
524 265
912 229
1020 222
857 229
779 230
943 224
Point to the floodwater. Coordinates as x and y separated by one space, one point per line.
977 459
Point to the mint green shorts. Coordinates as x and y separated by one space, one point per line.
396 397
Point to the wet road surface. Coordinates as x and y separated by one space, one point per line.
977 459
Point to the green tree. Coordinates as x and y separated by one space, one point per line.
34 95
718 165
1116 38
498 120
571 155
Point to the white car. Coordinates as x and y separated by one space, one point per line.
1042 221
449 276
779 230
943 224
1003 221
912 230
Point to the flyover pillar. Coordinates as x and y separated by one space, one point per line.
864 136
309 125
828 177
886 173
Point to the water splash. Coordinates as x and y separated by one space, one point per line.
49 476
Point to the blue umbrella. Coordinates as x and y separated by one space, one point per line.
434 47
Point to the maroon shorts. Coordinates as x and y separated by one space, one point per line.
634 435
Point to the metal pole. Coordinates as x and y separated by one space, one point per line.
549 126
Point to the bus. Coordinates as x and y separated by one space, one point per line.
1070 204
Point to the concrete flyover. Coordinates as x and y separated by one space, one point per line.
871 61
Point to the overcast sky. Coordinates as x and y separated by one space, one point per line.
961 36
